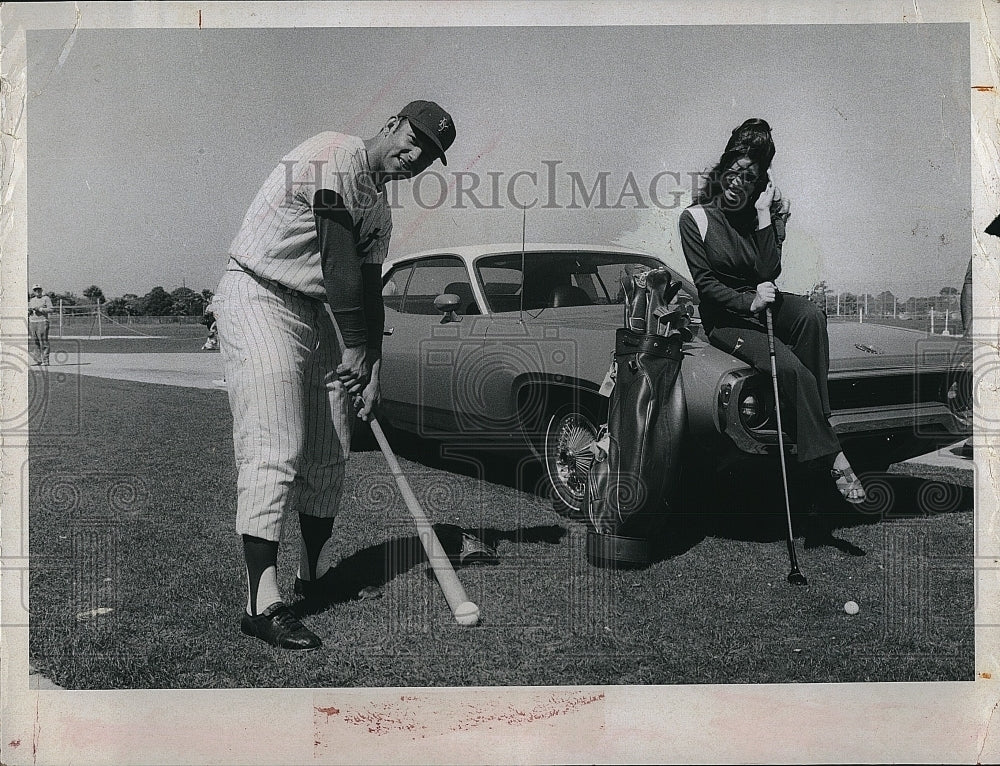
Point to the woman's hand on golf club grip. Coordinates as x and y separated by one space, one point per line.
766 293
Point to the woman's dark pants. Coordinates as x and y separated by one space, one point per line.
802 355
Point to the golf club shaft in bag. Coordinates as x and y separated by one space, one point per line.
794 575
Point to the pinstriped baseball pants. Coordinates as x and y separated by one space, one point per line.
291 434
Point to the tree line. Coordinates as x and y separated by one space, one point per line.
183 301
885 303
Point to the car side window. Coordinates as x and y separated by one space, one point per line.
436 275
394 285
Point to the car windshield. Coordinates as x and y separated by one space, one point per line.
558 279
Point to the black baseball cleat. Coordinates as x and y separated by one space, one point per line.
277 626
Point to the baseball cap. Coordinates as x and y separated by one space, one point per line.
36 287
434 122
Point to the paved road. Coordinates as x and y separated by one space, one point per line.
194 370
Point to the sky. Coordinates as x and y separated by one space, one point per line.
145 147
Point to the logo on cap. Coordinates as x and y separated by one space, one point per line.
432 121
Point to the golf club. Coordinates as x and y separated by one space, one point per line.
795 577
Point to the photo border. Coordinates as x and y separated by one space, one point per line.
923 722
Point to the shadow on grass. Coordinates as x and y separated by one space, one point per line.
508 464
378 565
747 503
741 501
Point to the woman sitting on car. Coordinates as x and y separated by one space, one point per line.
732 237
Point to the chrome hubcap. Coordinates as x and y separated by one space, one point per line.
573 454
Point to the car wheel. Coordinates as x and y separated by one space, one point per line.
571 431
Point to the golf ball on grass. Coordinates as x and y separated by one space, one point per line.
851 607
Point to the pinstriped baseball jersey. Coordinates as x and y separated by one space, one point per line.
277 239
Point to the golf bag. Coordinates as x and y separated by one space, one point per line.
636 458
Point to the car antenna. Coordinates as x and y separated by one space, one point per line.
524 218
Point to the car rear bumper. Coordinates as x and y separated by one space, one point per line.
926 419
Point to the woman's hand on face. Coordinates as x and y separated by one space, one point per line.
765 296
767 196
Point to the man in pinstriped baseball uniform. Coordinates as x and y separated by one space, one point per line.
316 233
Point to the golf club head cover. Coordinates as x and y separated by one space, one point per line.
634 288
653 304
660 291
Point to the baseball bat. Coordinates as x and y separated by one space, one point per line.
464 611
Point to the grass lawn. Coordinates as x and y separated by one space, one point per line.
137 578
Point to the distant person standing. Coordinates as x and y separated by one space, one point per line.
39 308
208 319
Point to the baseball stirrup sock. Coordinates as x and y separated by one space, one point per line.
315 533
262 578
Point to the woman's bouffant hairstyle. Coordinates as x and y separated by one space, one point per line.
753 140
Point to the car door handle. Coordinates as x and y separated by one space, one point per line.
388 331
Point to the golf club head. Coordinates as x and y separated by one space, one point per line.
795 577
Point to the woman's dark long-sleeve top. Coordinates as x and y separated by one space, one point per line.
728 264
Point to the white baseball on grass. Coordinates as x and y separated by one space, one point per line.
851 607
467 613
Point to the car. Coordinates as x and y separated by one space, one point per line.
507 345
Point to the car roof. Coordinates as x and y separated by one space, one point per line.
469 253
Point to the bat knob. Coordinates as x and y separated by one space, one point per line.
467 613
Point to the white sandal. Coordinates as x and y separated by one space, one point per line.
848 482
